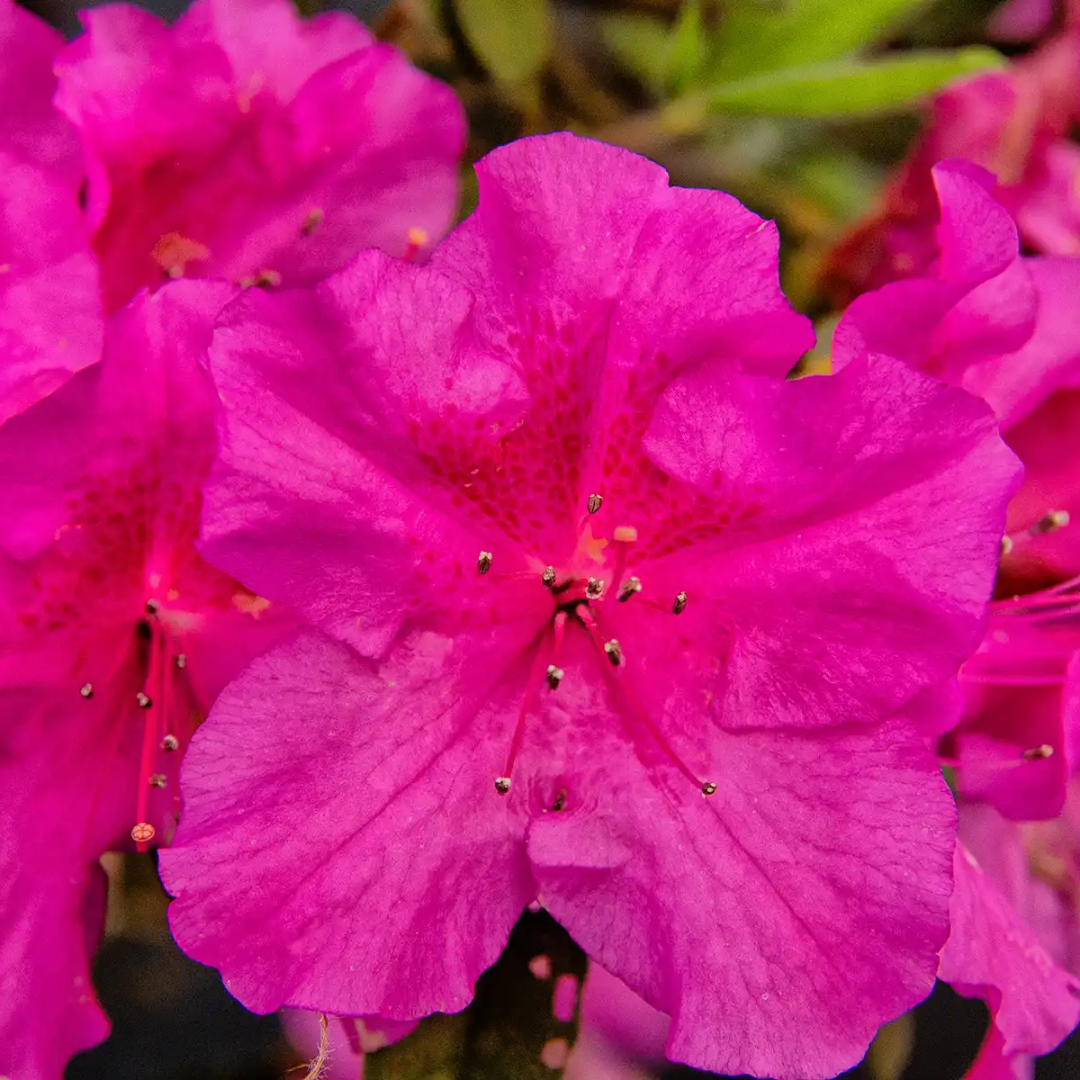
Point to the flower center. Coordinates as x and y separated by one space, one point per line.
587 597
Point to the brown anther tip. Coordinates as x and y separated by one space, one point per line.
1038 753
502 785
143 700
680 603
548 577
86 690
708 788
594 502
594 587
180 661
1006 545
312 222
158 780
483 562
630 586
152 607
614 652
554 676
170 743
1051 521
143 832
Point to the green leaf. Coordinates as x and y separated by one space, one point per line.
640 44
686 49
512 38
756 36
851 87
510 1029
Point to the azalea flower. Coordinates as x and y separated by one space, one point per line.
1007 329
50 318
1014 122
114 638
247 144
607 614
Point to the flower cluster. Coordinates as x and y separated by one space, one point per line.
210 149
515 568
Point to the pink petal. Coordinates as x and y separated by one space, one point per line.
413 871
893 616
800 930
993 955
50 321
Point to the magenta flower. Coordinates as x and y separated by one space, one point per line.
50 320
1007 329
243 143
607 617
1014 123
115 638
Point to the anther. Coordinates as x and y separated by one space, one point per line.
594 588
1050 522
483 562
554 676
594 503
630 586
502 785
143 700
170 743
158 780
151 607
548 577
180 660
614 652
312 222
1038 753
1006 545
143 832
680 603
708 788
86 690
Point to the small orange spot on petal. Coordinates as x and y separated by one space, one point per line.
247 603
173 252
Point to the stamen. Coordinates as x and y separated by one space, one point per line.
1006 544
680 603
625 688
142 833
170 743
151 607
548 577
416 239
158 780
594 588
614 652
483 562
1038 753
502 783
143 700
554 676
180 660
1050 522
312 222
86 690
594 503
630 586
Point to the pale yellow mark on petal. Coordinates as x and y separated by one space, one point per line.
247 95
247 603
173 252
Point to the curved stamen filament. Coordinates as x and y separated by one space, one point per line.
532 689
625 688
143 832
